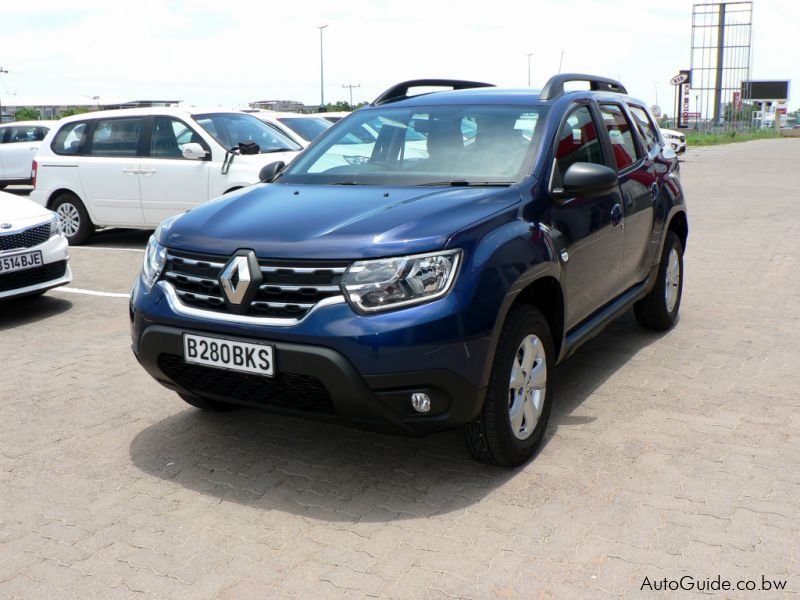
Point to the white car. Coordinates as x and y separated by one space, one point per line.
137 167
675 139
34 254
18 144
303 129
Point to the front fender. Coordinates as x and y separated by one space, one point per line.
509 258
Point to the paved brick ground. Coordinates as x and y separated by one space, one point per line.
667 455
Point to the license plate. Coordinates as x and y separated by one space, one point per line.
20 262
228 354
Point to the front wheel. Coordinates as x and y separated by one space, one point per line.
75 222
517 405
659 309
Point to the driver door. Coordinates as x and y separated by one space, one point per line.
589 230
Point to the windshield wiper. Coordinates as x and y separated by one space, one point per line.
276 150
465 183
342 183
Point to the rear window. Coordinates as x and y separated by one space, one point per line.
22 133
69 138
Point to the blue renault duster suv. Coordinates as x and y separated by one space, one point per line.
424 264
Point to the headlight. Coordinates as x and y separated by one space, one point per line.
387 283
55 225
155 256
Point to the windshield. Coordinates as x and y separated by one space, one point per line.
437 145
231 129
306 127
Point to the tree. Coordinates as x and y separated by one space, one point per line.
27 114
75 110
342 106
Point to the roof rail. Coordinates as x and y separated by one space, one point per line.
555 85
400 91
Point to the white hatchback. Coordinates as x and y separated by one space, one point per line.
34 254
303 129
18 143
136 167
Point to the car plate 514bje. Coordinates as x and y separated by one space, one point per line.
19 262
233 355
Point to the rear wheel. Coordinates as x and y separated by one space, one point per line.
206 404
659 309
517 405
75 222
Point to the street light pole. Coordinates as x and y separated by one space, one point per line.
529 68
351 86
2 70
321 72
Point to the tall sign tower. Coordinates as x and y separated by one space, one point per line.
721 60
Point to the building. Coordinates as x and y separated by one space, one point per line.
52 107
278 105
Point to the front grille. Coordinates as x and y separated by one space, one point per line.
32 236
20 279
289 391
290 288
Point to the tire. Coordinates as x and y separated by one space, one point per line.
75 222
659 309
206 404
494 437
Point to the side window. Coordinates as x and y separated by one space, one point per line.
170 136
116 137
577 141
621 134
69 138
23 133
646 127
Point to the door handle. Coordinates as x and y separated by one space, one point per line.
147 171
616 215
131 171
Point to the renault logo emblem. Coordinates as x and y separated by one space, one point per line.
236 278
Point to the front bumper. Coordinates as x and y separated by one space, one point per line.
54 272
314 382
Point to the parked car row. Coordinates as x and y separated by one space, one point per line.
422 265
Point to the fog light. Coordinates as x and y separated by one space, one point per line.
421 402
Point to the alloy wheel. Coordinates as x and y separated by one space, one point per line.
527 387
70 219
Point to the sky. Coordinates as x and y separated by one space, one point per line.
213 53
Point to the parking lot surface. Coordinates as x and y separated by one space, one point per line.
667 455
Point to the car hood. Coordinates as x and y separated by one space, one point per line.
20 212
325 221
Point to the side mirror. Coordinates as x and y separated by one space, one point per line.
270 171
194 151
589 180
